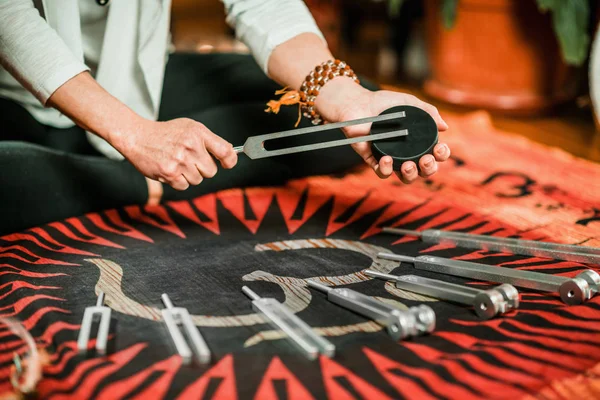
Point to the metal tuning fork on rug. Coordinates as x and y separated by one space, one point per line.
557 251
486 303
298 331
175 316
254 147
91 314
400 324
572 290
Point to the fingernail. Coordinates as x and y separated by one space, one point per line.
428 163
410 169
444 149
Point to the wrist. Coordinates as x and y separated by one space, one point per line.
337 96
123 130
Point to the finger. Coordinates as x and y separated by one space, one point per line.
427 165
222 150
192 175
364 150
441 151
207 166
179 183
433 111
155 192
408 172
372 162
386 167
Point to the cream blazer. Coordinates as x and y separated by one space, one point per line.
41 48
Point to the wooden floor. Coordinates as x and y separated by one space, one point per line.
570 127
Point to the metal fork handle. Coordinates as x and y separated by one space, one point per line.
327 127
257 150
490 273
254 145
432 234
431 287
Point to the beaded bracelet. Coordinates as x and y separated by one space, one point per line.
309 90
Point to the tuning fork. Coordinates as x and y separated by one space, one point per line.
557 251
399 324
572 290
90 315
486 303
175 316
254 147
298 331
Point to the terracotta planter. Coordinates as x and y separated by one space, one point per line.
500 55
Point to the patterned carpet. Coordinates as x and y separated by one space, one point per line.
327 228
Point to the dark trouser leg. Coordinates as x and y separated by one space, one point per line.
39 185
196 82
42 179
16 124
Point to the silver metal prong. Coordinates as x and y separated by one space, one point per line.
396 257
299 332
250 293
254 147
166 300
380 275
404 232
100 300
175 316
90 314
318 286
558 251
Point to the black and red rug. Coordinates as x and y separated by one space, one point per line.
201 252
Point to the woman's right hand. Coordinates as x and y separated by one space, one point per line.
178 152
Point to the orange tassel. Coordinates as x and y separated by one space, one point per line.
288 98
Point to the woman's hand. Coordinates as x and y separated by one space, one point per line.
177 152
343 100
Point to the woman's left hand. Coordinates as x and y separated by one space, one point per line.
343 100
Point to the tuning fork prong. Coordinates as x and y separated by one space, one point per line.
92 313
297 331
175 316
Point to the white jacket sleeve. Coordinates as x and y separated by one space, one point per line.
264 24
33 52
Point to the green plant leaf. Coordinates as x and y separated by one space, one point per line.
570 19
449 13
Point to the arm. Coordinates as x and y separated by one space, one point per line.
287 44
342 99
33 52
175 152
